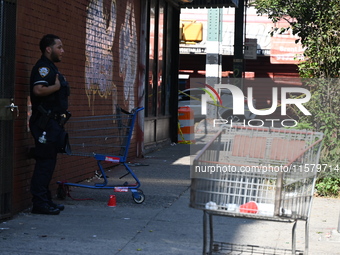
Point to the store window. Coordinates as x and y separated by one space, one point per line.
156 90
150 95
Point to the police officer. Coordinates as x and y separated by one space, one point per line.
49 92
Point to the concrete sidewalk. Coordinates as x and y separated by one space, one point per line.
163 224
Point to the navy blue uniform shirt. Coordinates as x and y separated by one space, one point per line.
44 73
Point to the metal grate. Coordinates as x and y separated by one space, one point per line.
220 248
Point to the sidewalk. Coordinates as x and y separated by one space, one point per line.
163 224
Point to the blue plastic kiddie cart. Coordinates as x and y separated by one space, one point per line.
107 138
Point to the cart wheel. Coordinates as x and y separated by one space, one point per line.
61 192
138 197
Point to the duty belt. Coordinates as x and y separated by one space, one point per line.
61 118
57 116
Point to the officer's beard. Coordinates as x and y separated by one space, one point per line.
55 58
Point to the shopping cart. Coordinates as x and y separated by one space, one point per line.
106 138
259 173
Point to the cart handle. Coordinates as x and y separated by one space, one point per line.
133 111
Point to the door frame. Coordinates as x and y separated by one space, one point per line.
8 109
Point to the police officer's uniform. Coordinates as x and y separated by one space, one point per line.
47 116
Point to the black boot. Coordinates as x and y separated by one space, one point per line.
60 207
45 209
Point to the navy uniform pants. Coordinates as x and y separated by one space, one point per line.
46 159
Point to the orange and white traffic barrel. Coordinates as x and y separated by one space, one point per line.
186 125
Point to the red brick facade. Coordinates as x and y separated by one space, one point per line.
110 30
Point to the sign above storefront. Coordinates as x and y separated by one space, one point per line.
285 50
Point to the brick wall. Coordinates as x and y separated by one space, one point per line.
101 46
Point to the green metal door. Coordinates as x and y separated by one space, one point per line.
8 109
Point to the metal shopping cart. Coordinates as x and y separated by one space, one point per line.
259 173
106 138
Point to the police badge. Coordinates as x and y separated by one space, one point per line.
43 71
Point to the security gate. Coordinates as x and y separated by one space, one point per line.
8 110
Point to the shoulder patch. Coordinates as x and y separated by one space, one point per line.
43 71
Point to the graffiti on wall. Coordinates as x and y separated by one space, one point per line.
127 54
101 25
100 32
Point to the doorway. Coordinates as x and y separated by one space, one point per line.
8 109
